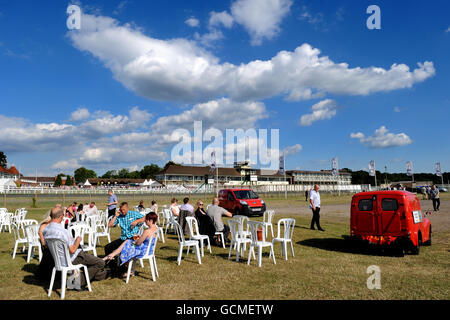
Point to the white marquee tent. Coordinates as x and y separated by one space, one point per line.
6 184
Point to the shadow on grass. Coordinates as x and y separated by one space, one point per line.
33 280
348 246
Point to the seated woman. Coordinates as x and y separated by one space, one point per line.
205 224
174 207
131 249
141 205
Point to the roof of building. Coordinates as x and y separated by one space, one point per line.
198 171
38 179
327 172
12 170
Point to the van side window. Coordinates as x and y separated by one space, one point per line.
230 196
365 205
389 204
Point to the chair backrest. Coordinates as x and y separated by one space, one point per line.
268 216
254 226
193 226
242 220
154 240
32 233
234 229
17 229
29 222
288 228
60 253
179 231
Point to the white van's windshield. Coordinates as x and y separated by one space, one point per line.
245 194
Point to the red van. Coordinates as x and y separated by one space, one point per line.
390 218
241 202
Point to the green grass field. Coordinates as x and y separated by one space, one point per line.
325 266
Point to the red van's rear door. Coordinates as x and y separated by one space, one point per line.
390 209
366 217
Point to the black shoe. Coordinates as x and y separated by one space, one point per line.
320 229
312 228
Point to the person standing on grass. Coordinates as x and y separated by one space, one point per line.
306 195
112 203
314 204
435 198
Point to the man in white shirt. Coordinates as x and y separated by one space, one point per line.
95 266
91 209
314 204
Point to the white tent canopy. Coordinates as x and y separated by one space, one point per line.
87 183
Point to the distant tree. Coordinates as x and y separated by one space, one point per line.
123 174
111 174
3 161
149 172
58 181
82 174
170 163
69 181
134 175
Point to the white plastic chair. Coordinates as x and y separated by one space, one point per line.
101 229
220 233
195 234
63 263
170 222
19 238
80 230
186 243
237 239
243 232
150 255
6 221
288 227
33 240
254 227
267 220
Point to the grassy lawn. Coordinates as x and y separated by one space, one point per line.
325 266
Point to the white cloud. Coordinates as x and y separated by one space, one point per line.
312 18
448 30
382 139
261 18
179 70
292 149
192 22
80 114
396 109
325 109
218 19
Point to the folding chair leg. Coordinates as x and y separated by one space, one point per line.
285 250
273 255
292 248
197 251
229 252
14 252
152 269
88 282
29 254
156 267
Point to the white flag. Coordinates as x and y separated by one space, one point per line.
334 166
409 168
372 168
438 169
282 164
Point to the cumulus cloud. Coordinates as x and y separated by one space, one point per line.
261 18
382 139
80 114
192 22
292 149
219 19
325 109
180 70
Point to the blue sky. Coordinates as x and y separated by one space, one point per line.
110 95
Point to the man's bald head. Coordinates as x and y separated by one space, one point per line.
215 201
56 213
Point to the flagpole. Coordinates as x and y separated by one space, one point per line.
284 169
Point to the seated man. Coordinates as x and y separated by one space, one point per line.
91 209
95 266
215 213
186 210
129 221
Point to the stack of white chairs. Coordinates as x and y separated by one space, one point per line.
286 237
186 243
259 244
60 253
195 234
150 255
80 230
102 229
33 240
237 239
